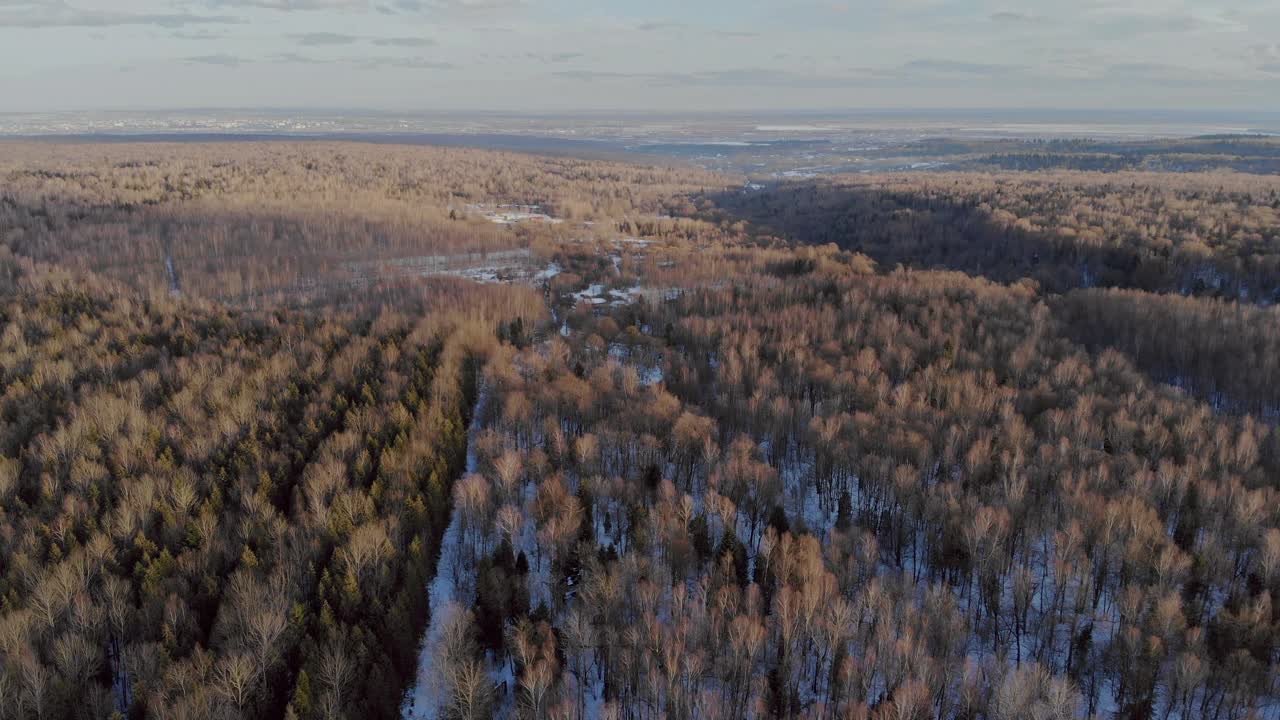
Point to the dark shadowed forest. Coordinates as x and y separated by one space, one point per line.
1197 234
317 430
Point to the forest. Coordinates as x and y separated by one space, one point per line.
1245 153
316 430
270 223
1199 234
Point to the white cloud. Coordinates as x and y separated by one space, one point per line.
666 55
60 14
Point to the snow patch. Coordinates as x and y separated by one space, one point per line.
551 271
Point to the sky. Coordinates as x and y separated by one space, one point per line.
657 55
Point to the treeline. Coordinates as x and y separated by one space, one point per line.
814 490
1174 162
216 514
1222 153
1207 234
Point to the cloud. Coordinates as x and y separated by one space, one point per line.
329 39
1009 16
594 75
1153 72
1265 52
1153 75
952 67
452 7
323 39
658 25
292 58
60 14
544 58
221 59
386 8
413 63
735 77
465 5
1126 20
923 72
756 77
291 5
662 26
353 62
197 35
364 63
404 42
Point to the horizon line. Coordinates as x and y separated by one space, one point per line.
604 111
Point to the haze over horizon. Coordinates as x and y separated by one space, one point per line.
566 55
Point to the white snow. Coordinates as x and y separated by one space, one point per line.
513 214
478 274
445 597
651 375
552 270
592 295
499 266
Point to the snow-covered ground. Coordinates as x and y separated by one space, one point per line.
596 294
448 596
551 271
648 365
513 214
174 288
593 295
500 266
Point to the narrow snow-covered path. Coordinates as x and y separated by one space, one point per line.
446 598
174 288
